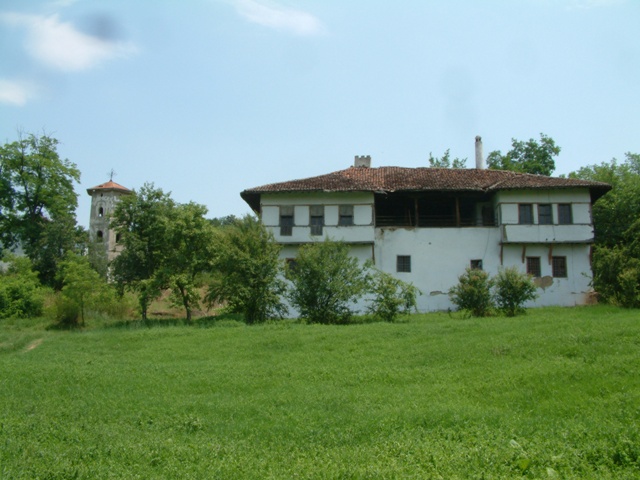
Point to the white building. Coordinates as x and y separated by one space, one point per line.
426 225
103 202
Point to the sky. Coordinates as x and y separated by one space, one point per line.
206 98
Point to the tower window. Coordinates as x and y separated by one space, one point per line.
101 212
100 235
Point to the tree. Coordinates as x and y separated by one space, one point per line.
325 280
391 296
142 220
189 243
81 284
247 271
446 162
527 157
512 290
37 201
473 292
616 218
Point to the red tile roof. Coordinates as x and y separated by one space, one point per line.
108 186
399 179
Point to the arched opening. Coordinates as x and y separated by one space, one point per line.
99 235
101 212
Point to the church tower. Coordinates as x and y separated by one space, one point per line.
103 202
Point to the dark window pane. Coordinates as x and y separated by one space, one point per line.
525 214
544 214
565 216
403 263
533 266
559 266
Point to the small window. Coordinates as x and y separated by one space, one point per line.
525 214
345 218
559 267
101 212
403 263
286 221
118 238
533 266
544 214
100 235
291 263
565 216
316 217
476 264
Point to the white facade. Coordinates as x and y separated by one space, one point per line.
560 253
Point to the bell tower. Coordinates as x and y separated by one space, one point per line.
103 201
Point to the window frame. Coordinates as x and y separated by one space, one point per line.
547 216
316 220
475 264
559 267
565 214
345 215
534 267
525 210
403 263
286 222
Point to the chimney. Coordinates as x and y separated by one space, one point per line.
479 157
362 161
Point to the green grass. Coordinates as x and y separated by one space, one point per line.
553 394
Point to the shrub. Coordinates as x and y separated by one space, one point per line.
21 295
391 296
325 279
512 289
64 312
473 293
617 276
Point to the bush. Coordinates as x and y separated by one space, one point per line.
21 295
64 312
617 276
473 293
325 279
391 296
512 289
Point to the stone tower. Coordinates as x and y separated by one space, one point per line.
103 201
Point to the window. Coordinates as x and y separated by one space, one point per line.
565 216
316 213
286 221
117 238
101 212
544 214
403 263
100 235
533 266
345 215
559 267
476 264
525 214
291 263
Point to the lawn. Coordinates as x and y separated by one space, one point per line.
552 394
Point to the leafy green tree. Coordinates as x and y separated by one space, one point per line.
38 201
142 220
189 243
81 284
247 271
325 280
446 162
391 296
512 290
472 293
527 157
21 295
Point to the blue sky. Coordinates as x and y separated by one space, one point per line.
205 98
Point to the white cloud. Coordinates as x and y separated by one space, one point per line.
276 16
16 93
61 46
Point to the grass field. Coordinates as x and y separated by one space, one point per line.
553 394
